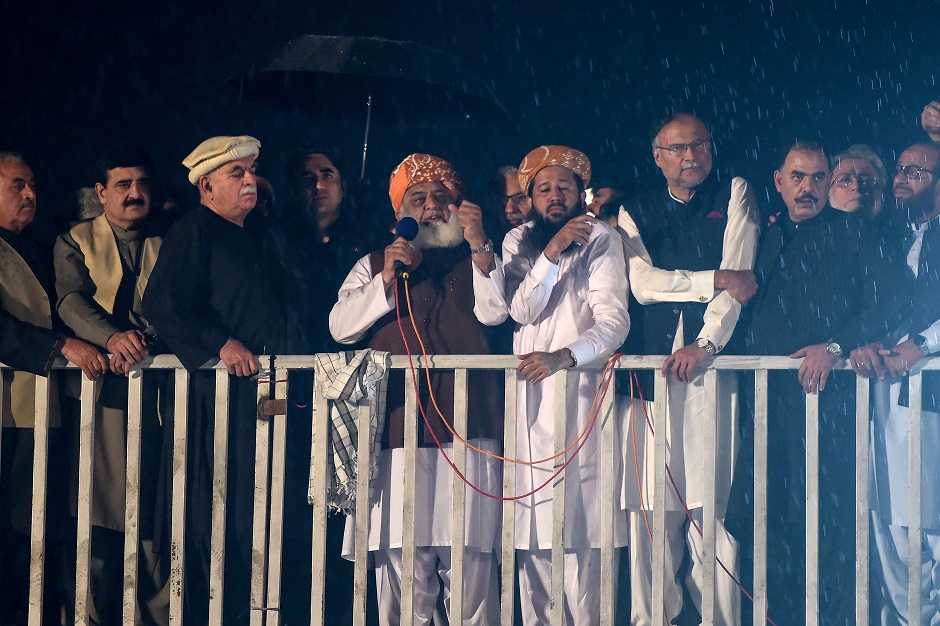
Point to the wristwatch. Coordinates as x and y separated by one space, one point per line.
487 247
833 348
707 346
921 342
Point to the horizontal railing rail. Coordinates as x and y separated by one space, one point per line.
267 537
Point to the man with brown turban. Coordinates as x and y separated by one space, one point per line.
566 284
455 283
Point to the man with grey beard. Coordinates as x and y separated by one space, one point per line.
453 287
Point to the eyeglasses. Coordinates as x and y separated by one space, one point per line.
679 149
911 172
848 179
516 198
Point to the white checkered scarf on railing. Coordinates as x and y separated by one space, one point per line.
347 378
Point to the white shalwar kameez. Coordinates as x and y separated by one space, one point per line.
685 422
579 304
362 302
889 485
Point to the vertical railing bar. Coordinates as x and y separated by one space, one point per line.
708 509
320 427
760 497
178 520
659 497
363 510
914 538
558 499
408 508
219 495
132 493
259 526
862 511
276 536
812 509
507 593
37 542
610 506
458 522
86 447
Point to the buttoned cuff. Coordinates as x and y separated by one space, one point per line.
703 286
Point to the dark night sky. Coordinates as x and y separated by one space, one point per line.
78 76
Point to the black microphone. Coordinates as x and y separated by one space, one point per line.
407 229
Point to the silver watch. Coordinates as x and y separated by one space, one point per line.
487 247
921 342
707 346
833 348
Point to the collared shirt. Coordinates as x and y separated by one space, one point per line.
651 284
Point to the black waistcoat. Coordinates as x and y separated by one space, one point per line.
677 236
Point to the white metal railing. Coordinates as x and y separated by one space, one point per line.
269 492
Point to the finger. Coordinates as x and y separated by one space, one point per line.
878 367
823 377
230 368
667 364
799 353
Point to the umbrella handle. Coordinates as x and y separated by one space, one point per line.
365 140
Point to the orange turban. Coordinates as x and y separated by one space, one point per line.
544 156
423 168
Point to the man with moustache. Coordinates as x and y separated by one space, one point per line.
858 179
690 250
566 284
455 285
210 296
825 289
918 204
31 338
102 268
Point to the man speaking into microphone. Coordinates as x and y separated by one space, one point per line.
455 283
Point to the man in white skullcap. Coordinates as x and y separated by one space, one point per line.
211 296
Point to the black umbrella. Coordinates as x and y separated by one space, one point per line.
408 82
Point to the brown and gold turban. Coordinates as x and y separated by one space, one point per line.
423 168
544 156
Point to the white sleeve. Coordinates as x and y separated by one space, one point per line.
606 297
738 253
489 298
528 284
932 334
362 302
651 284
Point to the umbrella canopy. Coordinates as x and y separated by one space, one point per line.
408 82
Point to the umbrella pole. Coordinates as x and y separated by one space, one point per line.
365 140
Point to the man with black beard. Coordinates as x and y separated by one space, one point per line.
825 288
455 285
566 284
890 361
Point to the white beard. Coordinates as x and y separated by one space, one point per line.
447 234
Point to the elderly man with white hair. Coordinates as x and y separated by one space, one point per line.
211 296
858 181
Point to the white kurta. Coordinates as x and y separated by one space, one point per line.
579 304
890 438
362 302
686 401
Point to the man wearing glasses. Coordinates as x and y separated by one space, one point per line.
915 190
690 247
858 179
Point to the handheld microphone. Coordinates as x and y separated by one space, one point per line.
407 229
